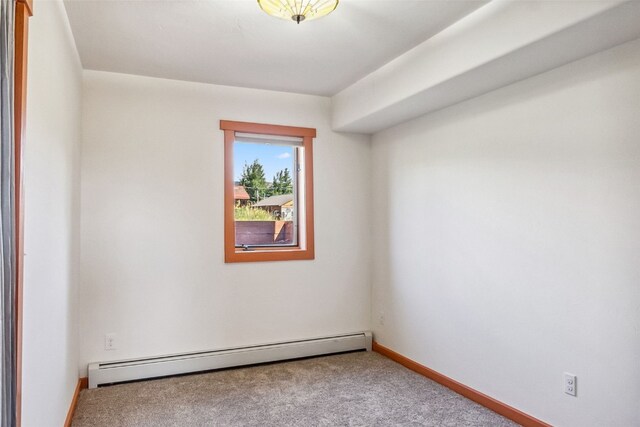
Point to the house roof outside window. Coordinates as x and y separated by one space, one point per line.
239 193
279 200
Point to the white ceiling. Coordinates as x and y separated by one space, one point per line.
232 42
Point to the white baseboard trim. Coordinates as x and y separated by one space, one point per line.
161 366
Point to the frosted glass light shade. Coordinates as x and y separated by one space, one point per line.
298 10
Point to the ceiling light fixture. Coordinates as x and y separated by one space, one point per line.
298 10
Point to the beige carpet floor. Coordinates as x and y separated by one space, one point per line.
354 389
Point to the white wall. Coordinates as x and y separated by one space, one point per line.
52 206
508 241
152 268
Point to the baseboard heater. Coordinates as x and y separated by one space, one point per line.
153 367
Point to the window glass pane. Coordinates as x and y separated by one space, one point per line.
265 182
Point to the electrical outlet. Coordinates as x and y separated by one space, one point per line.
570 384
110 342
381 319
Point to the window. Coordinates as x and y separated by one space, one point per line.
268 193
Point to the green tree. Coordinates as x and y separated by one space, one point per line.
282 183
253 181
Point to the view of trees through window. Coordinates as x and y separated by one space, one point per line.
254 181
265 211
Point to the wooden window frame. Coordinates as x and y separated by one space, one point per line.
288 253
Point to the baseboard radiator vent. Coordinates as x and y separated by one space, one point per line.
153 367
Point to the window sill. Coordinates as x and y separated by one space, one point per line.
257 255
